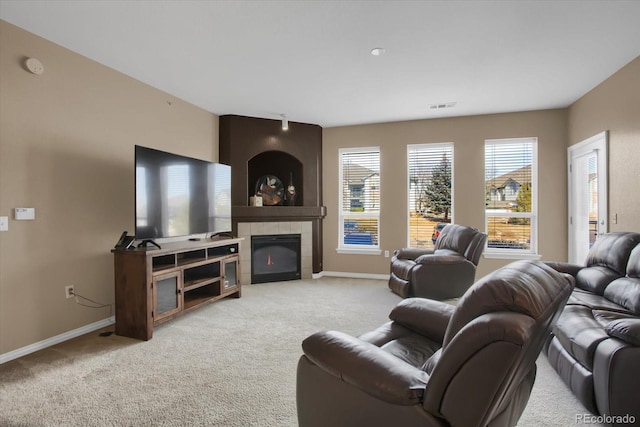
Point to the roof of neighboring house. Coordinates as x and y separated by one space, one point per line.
354 173
520 176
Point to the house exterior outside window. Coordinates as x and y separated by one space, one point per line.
430 192
359 200
511 197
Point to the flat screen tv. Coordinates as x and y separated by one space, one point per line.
180 196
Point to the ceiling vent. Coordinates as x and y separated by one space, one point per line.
442 106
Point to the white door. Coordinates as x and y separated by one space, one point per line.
588 205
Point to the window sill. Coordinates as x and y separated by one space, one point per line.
359 251
510 255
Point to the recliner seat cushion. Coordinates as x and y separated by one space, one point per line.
595 302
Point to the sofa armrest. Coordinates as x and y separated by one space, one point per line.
627 330
411 253
366 367
615 379
424 316
565 267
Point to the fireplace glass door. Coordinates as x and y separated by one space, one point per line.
275 258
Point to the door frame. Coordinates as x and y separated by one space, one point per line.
598 143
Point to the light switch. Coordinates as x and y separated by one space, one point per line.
4 223
25 213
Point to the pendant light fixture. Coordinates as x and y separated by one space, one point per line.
285 122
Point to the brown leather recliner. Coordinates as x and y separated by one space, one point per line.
441 273
436 364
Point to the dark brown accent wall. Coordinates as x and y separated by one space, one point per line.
251 146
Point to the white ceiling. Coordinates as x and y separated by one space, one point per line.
310 59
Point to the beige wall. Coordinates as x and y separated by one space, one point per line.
468 135
614 105
66 149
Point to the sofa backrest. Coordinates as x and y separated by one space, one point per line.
625 291
607 261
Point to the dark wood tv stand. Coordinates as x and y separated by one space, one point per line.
155 285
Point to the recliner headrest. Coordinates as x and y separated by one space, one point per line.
527 287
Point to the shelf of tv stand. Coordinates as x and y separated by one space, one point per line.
156 285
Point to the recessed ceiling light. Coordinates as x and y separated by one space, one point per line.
377 51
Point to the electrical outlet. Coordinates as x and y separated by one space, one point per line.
4 223
68 291
386 254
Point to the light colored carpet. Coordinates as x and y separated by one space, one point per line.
230 363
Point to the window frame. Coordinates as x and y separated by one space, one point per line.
502 253
353 248
435 146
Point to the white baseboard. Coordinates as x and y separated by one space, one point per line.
40 345
351 275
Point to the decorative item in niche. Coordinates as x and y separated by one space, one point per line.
271 190
290 195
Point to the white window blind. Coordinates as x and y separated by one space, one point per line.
430 192
359 199
511 195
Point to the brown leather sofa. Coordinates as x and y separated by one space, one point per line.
595 346
436 364
441 273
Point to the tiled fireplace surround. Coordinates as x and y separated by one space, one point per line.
255 147
248 229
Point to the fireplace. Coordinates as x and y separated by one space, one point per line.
275 257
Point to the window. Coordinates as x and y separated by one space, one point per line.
511 197
430 192
359 200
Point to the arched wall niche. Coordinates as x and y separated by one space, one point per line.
287 168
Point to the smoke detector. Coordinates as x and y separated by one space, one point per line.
34 66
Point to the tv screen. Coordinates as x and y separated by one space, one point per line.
180 196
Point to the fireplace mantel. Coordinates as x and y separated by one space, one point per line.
277 213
